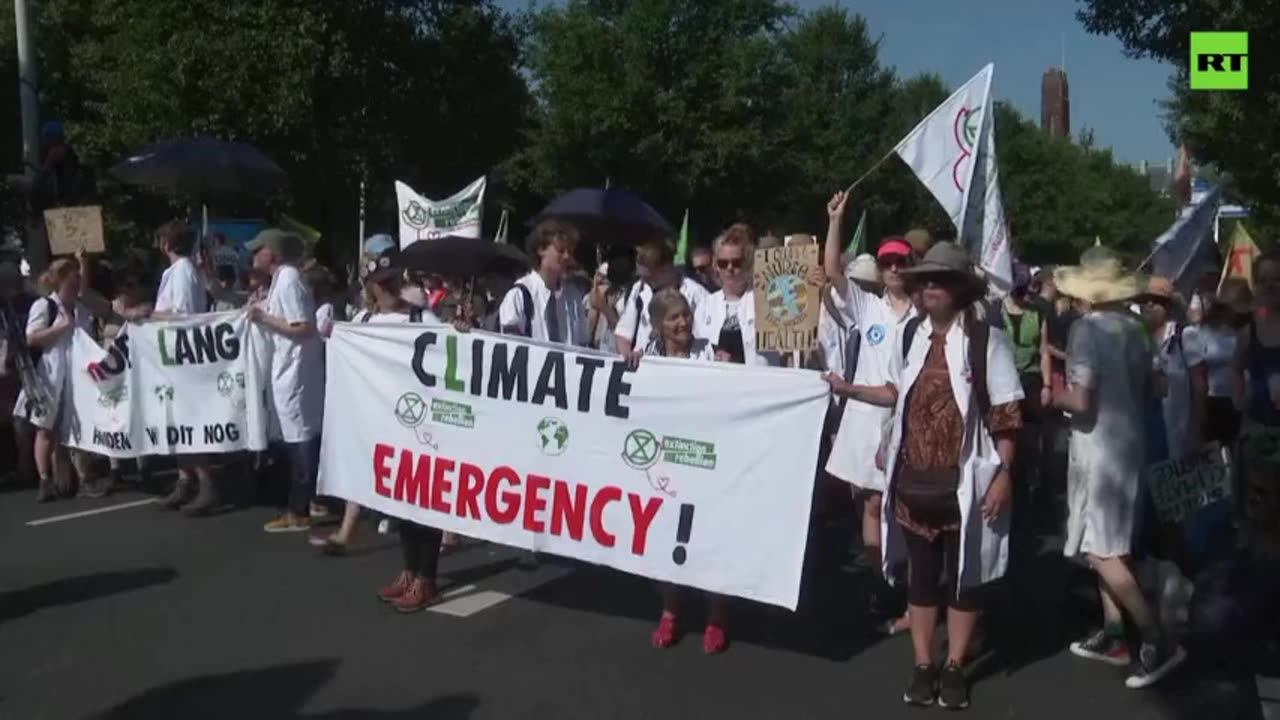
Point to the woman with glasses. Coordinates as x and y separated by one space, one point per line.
878 318
727 319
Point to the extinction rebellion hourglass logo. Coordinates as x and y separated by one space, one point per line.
967 124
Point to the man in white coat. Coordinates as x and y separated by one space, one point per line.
655 264
297 369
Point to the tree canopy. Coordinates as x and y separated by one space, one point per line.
734 109
1238 132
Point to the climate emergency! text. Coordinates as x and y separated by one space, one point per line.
503 495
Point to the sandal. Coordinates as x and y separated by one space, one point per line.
668 632
714 640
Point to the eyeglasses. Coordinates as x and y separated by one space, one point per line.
726 263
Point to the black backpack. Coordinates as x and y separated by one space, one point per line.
50 315
979 333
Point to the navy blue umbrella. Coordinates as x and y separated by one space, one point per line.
202 168
608 216
454 256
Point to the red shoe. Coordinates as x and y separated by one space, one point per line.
397 588
417 598
668 632
714 641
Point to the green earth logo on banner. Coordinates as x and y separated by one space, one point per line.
410 409
640 450
164 393
112 398
553 436
787 299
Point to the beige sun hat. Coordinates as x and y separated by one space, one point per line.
1099 278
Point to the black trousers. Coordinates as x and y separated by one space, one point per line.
420 547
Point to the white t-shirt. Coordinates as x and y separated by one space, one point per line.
181 291
605 340
570 306
1219 348
634 323
297 366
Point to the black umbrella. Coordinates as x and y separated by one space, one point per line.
202 168
455 256
607 217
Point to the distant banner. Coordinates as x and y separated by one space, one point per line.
1181 487
693 473
177 387
423 219
787 306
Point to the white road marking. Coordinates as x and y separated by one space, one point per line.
465 602
95 511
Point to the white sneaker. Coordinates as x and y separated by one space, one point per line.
384 527
1154 664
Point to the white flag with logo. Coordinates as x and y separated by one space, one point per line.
953 152
425 219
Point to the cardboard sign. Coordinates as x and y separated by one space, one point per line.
786 304
74 229
1181 487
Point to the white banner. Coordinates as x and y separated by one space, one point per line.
700 474
423 219
175 387
953 152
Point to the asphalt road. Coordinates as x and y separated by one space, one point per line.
132 613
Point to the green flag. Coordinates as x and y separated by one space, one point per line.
682 246
859 240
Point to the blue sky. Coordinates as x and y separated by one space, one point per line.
1114 95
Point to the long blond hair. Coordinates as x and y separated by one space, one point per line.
57 273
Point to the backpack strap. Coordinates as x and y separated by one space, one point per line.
635 332
364 316
527 300
829 303
51 312
909 334
979 338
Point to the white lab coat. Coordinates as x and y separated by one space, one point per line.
984 548
297 366
712 314
55 362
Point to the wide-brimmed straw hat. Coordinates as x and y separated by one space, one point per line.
863 269
950 260
1099 278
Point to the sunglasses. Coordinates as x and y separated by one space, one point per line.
726 263
893 262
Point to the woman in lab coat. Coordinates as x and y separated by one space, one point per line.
727 319
947 461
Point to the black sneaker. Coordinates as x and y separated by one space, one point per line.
1154 663
921 691
1104 648
953 688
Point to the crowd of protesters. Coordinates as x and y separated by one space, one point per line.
957 411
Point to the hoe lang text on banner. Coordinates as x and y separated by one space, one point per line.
699 474
173 387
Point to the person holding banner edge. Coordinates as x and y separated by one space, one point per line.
297 369
181 294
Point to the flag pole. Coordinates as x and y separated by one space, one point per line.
875 167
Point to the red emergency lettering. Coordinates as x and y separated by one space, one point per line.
381 454
642 518
470 485
440 484
511 499
533 503
568 510
604 497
